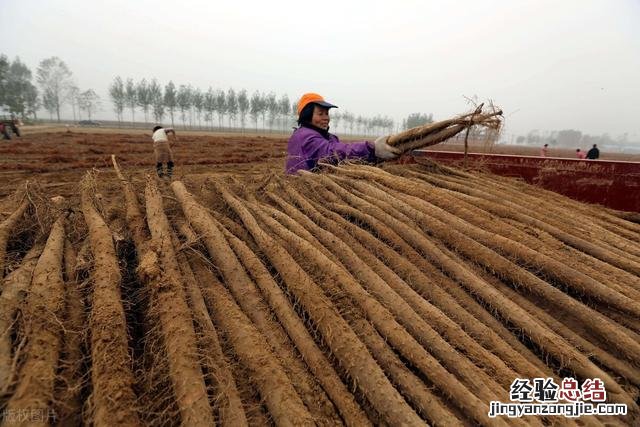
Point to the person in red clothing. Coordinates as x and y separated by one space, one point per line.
544 151
581 154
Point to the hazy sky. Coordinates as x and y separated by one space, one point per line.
549 64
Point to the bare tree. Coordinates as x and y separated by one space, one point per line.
264 109
170 99
272 107
131 95
89 101
118 98
73 96
32 101
377 124
256 107
198 104
335 118
210 105
390 124
243 107
349 119
54 77
283 109
144 98
157 100
232 105
48 102
367 124
185 100
221 106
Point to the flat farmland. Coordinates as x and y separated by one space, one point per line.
58 158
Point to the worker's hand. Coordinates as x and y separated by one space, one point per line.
383 150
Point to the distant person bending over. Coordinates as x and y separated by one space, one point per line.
594 153
544 151
311 142
162 151
580 154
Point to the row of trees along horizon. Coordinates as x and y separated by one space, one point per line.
194 108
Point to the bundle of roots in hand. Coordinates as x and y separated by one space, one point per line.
437 132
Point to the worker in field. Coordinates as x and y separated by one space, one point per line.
311 142
162 150
580 154
544 151
594 153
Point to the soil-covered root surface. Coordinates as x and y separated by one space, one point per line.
401 295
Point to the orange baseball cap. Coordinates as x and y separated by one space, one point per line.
313 98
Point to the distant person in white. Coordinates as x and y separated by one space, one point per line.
162 151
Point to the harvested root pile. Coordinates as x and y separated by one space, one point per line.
437 132
362 296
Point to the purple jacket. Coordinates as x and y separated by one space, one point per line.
307 146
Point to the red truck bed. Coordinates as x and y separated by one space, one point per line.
614 184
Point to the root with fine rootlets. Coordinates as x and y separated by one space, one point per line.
6 228
415 285
437 132
390 288
550 341
319 365
251 301
111 377
160 275
69 399
405 332
175 318
14 286
284 404
215 364
317 303
401 295
474 243
335 331
41 313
